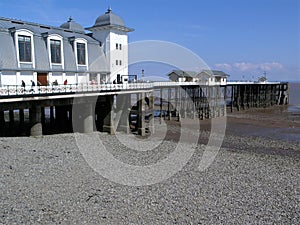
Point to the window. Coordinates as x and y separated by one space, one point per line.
24 48
120 62
119 46
24 45
55 47
81 57
117 62
81 52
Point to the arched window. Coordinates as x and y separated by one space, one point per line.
80 46
24 46
55 48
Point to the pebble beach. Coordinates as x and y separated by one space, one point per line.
254 179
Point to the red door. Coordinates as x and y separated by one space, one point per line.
42 79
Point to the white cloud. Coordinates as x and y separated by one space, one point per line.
247 67
244 66
251 71
271 66
224 66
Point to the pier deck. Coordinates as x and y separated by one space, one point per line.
108 107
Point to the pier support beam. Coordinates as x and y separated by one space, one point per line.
141 114
151 109
22 120
88 118
185 102
11 119
161 105
43 116
108 123
287 92
52 121
177 103
169 104
35 114
194 103
122 112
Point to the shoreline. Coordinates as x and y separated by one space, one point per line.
272 123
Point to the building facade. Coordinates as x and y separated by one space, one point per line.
183 76
205 77
213 77
66 54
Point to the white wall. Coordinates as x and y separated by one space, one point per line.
71 78
181 79
16 78
117 54
109 39
8 80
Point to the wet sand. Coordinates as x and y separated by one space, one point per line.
261 127
273 123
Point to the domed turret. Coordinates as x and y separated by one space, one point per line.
110 21
72 25
109 18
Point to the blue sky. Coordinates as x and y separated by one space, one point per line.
241 37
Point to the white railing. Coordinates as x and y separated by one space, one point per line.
251 82
173 83
13 90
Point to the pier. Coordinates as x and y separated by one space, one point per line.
129 107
